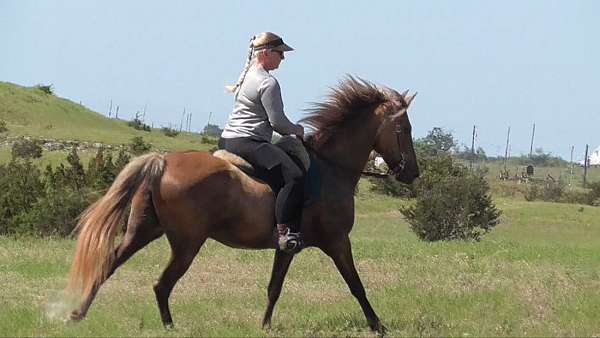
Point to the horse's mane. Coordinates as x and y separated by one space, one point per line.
349 99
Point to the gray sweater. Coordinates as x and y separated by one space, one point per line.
258 108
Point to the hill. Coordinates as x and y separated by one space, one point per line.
29 111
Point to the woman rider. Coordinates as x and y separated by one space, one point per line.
257 112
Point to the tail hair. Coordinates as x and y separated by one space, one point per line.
99 223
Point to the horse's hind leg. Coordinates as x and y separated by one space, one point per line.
142 228
281 264
183 251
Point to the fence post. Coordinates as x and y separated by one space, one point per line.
585 165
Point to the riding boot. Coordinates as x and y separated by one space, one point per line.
288 241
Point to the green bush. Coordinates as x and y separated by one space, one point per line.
594 193
3 127
452 203
549 191
576 197
138 146
48 203
205 139
24 148
170 132
137 124
391 187
21 186
46 89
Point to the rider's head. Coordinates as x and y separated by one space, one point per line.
266 49
269 50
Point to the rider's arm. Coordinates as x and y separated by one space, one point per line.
273 104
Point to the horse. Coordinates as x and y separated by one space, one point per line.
183 195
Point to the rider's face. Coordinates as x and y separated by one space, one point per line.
272 59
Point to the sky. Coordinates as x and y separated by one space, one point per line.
492 64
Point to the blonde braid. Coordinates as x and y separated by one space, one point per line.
233 88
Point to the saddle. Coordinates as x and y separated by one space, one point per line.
289 144
297 152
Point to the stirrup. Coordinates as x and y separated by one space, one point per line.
290 242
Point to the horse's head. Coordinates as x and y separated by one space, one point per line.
394 140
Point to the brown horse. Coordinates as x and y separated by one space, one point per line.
184 195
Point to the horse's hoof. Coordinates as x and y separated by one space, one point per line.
379 328
76 316
266 325
169 326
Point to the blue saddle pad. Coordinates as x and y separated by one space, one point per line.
312 181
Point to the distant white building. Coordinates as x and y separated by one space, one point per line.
594 157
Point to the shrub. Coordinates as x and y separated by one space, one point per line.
138 146
137 124
391 187
452 203
575 197
46 89
21 186
170 132
550 191
594 193
24 148
3 127
205 139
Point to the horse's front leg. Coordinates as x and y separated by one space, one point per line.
281 264
341 253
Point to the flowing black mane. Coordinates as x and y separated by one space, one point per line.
344 102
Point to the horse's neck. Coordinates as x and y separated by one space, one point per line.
348 150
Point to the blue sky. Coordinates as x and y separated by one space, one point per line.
489 64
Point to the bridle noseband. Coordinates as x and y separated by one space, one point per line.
400 166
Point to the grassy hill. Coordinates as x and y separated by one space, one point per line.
29 111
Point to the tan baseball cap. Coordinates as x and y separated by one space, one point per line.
268 40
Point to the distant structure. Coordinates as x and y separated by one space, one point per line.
593 158
212 130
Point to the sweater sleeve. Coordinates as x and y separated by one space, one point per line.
271 100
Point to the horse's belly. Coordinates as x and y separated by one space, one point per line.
246 236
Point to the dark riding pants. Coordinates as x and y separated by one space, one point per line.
288 206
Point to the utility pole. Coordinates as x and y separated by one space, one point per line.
572 165
506 151
181 123
110 109
532 136
117 112
472 149
585 165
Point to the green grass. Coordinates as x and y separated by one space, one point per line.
31 112
536 274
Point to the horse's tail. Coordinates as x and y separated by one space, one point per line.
99 223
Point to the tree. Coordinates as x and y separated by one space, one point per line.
212 130
437 142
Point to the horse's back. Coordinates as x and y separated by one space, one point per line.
204 196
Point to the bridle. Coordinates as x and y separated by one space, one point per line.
399 167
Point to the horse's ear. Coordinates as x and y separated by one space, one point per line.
410 98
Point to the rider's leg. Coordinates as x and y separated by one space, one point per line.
288 206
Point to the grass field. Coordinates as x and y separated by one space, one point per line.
537 274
